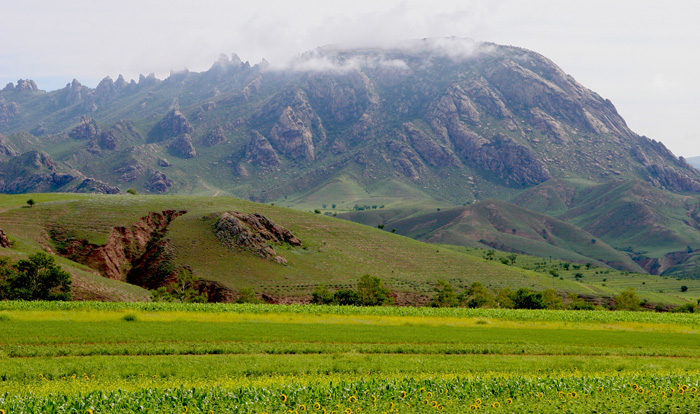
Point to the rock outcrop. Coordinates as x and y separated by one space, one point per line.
254 233
4 240
159 183
173 124
8 110
182 147
214 137
258 151
91 185
87 129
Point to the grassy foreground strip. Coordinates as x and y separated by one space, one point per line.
170 358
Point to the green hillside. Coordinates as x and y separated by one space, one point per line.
333 251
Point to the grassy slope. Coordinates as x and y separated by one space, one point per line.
505 226
335 252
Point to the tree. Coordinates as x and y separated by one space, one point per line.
445 296
551 300
247 295
477 296
372 292
504 299
684 288
526 299
31 202
346 297
36 278
183 290
627 300
321 295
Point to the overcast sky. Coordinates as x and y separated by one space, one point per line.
642 55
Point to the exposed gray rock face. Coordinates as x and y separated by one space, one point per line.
172 125
6 148
106 90
253 232
87 129
7 110
214 137
132 172
258 151
26 85
159 183
182 147
434 154
513 162
90 185
297 127
293 136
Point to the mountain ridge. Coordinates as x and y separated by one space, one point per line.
445 122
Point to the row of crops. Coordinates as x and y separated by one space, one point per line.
635 393
175 358
508 314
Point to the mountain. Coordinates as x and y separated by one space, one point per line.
434 123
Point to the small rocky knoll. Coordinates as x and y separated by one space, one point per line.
255 233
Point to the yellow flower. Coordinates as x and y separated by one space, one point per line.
433 403
89 411
477 401
403 394
509 401
302 407
352 399
317 406
374 398
496 404
284 397
429 395
439 407
640 390
473 407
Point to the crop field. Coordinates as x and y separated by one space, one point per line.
171 358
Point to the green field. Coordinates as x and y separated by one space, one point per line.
121 358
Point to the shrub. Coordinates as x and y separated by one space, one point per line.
372 292
445 296
627 300
36 278
322 296
524 298
477 296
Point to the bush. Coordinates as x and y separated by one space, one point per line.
477 296
322 296
35 278
346 297
247 295
445 296
524 298
627 300
684 308
372 291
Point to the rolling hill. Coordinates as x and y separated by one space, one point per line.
117 246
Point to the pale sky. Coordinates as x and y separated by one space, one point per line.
642 55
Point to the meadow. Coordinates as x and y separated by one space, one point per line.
153 357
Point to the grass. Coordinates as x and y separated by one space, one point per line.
124 357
